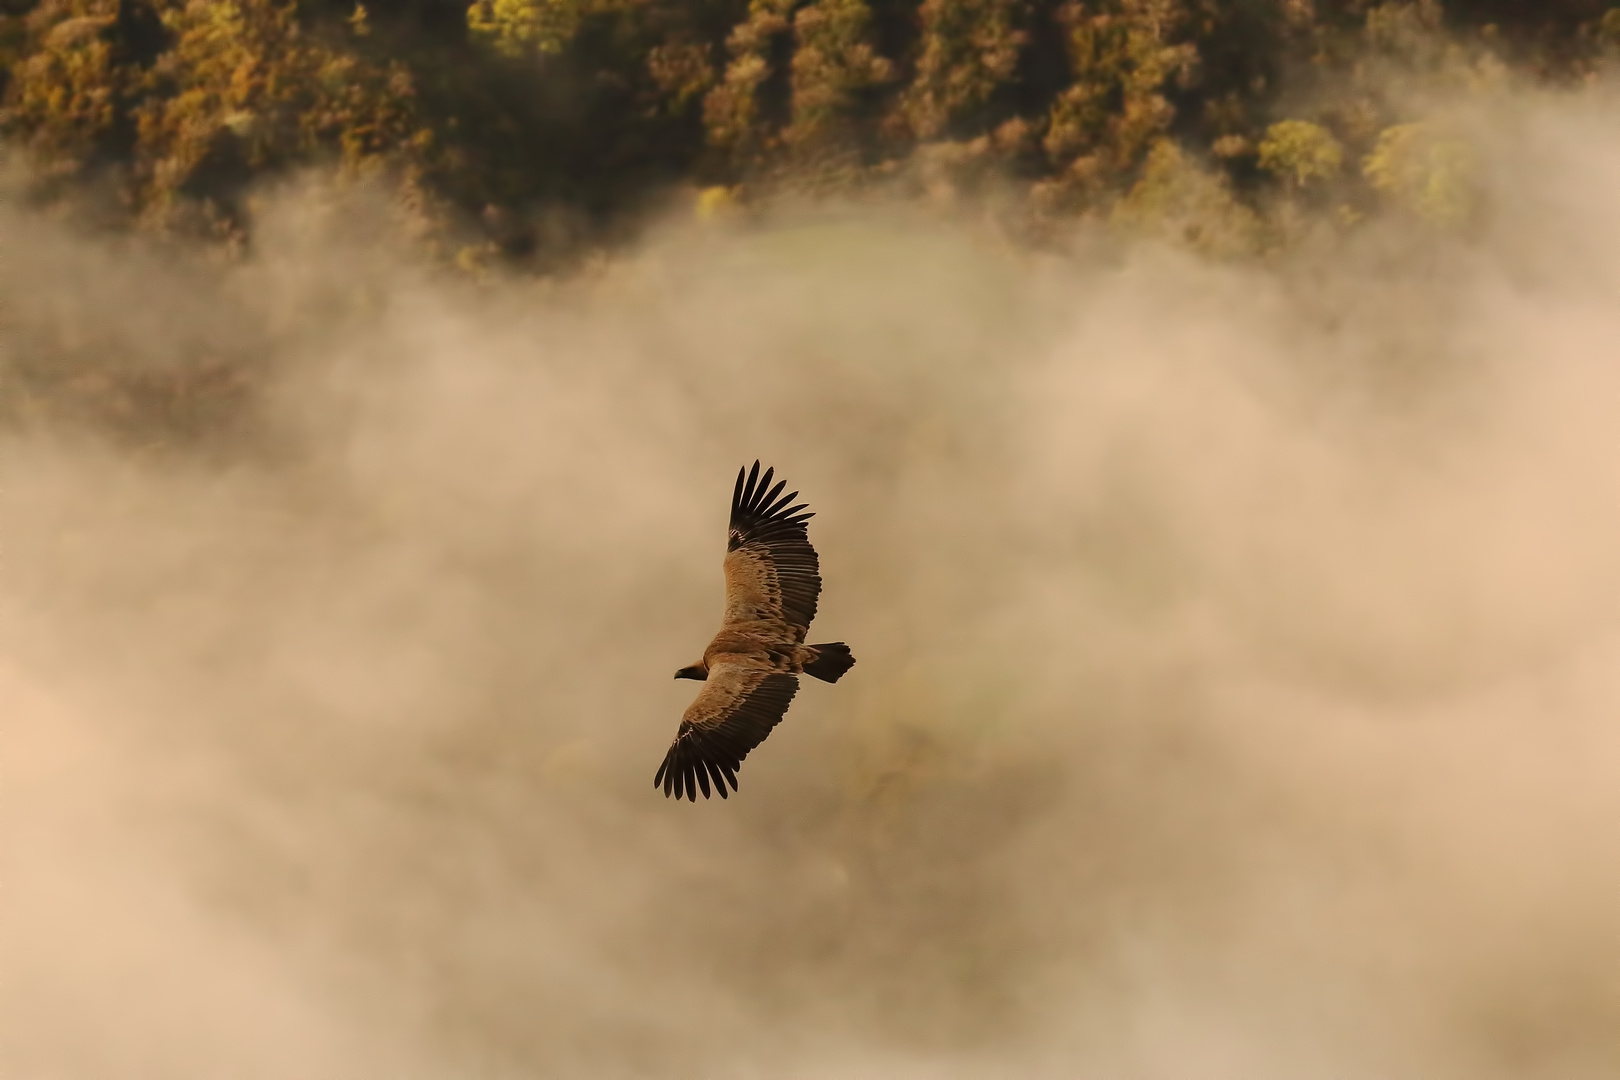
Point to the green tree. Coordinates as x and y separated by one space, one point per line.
835 69
1421 170
517 28
1123 60
970 50
1301 153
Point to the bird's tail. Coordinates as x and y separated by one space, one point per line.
832 660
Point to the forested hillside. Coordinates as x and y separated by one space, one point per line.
519 127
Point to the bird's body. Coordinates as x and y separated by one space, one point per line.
751 669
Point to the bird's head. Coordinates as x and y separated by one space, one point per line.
698 671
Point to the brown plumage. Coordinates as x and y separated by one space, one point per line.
751 669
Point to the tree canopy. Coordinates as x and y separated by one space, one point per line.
525 124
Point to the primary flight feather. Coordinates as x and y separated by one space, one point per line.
750 670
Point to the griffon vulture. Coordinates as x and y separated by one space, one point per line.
750 670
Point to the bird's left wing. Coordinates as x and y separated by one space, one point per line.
738 707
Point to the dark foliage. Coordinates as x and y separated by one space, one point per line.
528 126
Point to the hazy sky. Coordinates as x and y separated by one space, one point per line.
1239 682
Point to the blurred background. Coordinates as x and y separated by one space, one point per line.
1231 552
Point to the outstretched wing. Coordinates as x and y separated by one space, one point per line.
772 573
738 707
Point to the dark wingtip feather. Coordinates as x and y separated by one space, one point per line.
756 503
719 780
748 488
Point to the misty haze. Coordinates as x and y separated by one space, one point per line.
1238 693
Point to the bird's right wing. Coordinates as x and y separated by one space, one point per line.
772 574
737 708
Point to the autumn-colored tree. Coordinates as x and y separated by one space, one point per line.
538 123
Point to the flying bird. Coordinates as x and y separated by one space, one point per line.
750 670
